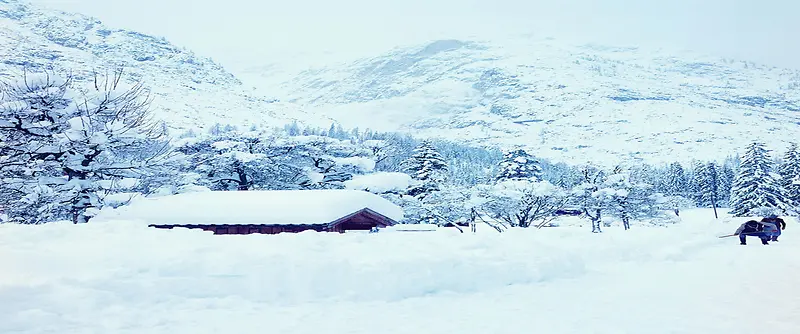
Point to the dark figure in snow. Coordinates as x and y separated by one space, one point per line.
755 229
779 223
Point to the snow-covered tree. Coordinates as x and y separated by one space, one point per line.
522 202
708 183
694 184
519 165
726 175
561 174
755 186
627 198
468 166
428 167
232 160
263 160
677 182
591 195
60 140
449 205
789 171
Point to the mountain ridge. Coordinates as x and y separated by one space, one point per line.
570 103
190 91
560 100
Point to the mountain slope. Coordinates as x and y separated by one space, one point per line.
572 103
189 91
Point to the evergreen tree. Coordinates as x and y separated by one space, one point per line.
332 131
725 175
427 166
695 185
790 175
292 129
709 186
519 165
755 187
676 180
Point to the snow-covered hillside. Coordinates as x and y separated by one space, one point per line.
573 103
189 91
123 277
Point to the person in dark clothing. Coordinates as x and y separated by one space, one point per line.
779 223
754 228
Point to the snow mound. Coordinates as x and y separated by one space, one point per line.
145 265
383 182
252 207
413 228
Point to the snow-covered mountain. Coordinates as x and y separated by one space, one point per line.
572 103
567 102
189 91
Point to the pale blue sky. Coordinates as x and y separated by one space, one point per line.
244 31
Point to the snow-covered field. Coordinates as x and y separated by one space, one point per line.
118 277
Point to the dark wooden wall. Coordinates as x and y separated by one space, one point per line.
248 229
362 220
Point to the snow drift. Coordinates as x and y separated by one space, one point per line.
122 277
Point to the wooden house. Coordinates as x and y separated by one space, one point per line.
265 212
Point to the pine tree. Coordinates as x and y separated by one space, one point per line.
427 166
755 187
519 165
677 182
725 175
708 181
332 131
695 184
790 174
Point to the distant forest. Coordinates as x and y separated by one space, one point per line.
69 150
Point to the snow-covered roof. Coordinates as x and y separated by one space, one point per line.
284 207
382 182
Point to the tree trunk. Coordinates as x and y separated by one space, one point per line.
244 184
595 220
82 199
714 204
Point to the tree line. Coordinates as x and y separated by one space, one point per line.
68 150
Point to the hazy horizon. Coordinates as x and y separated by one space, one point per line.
244 33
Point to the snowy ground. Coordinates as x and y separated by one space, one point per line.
126 278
